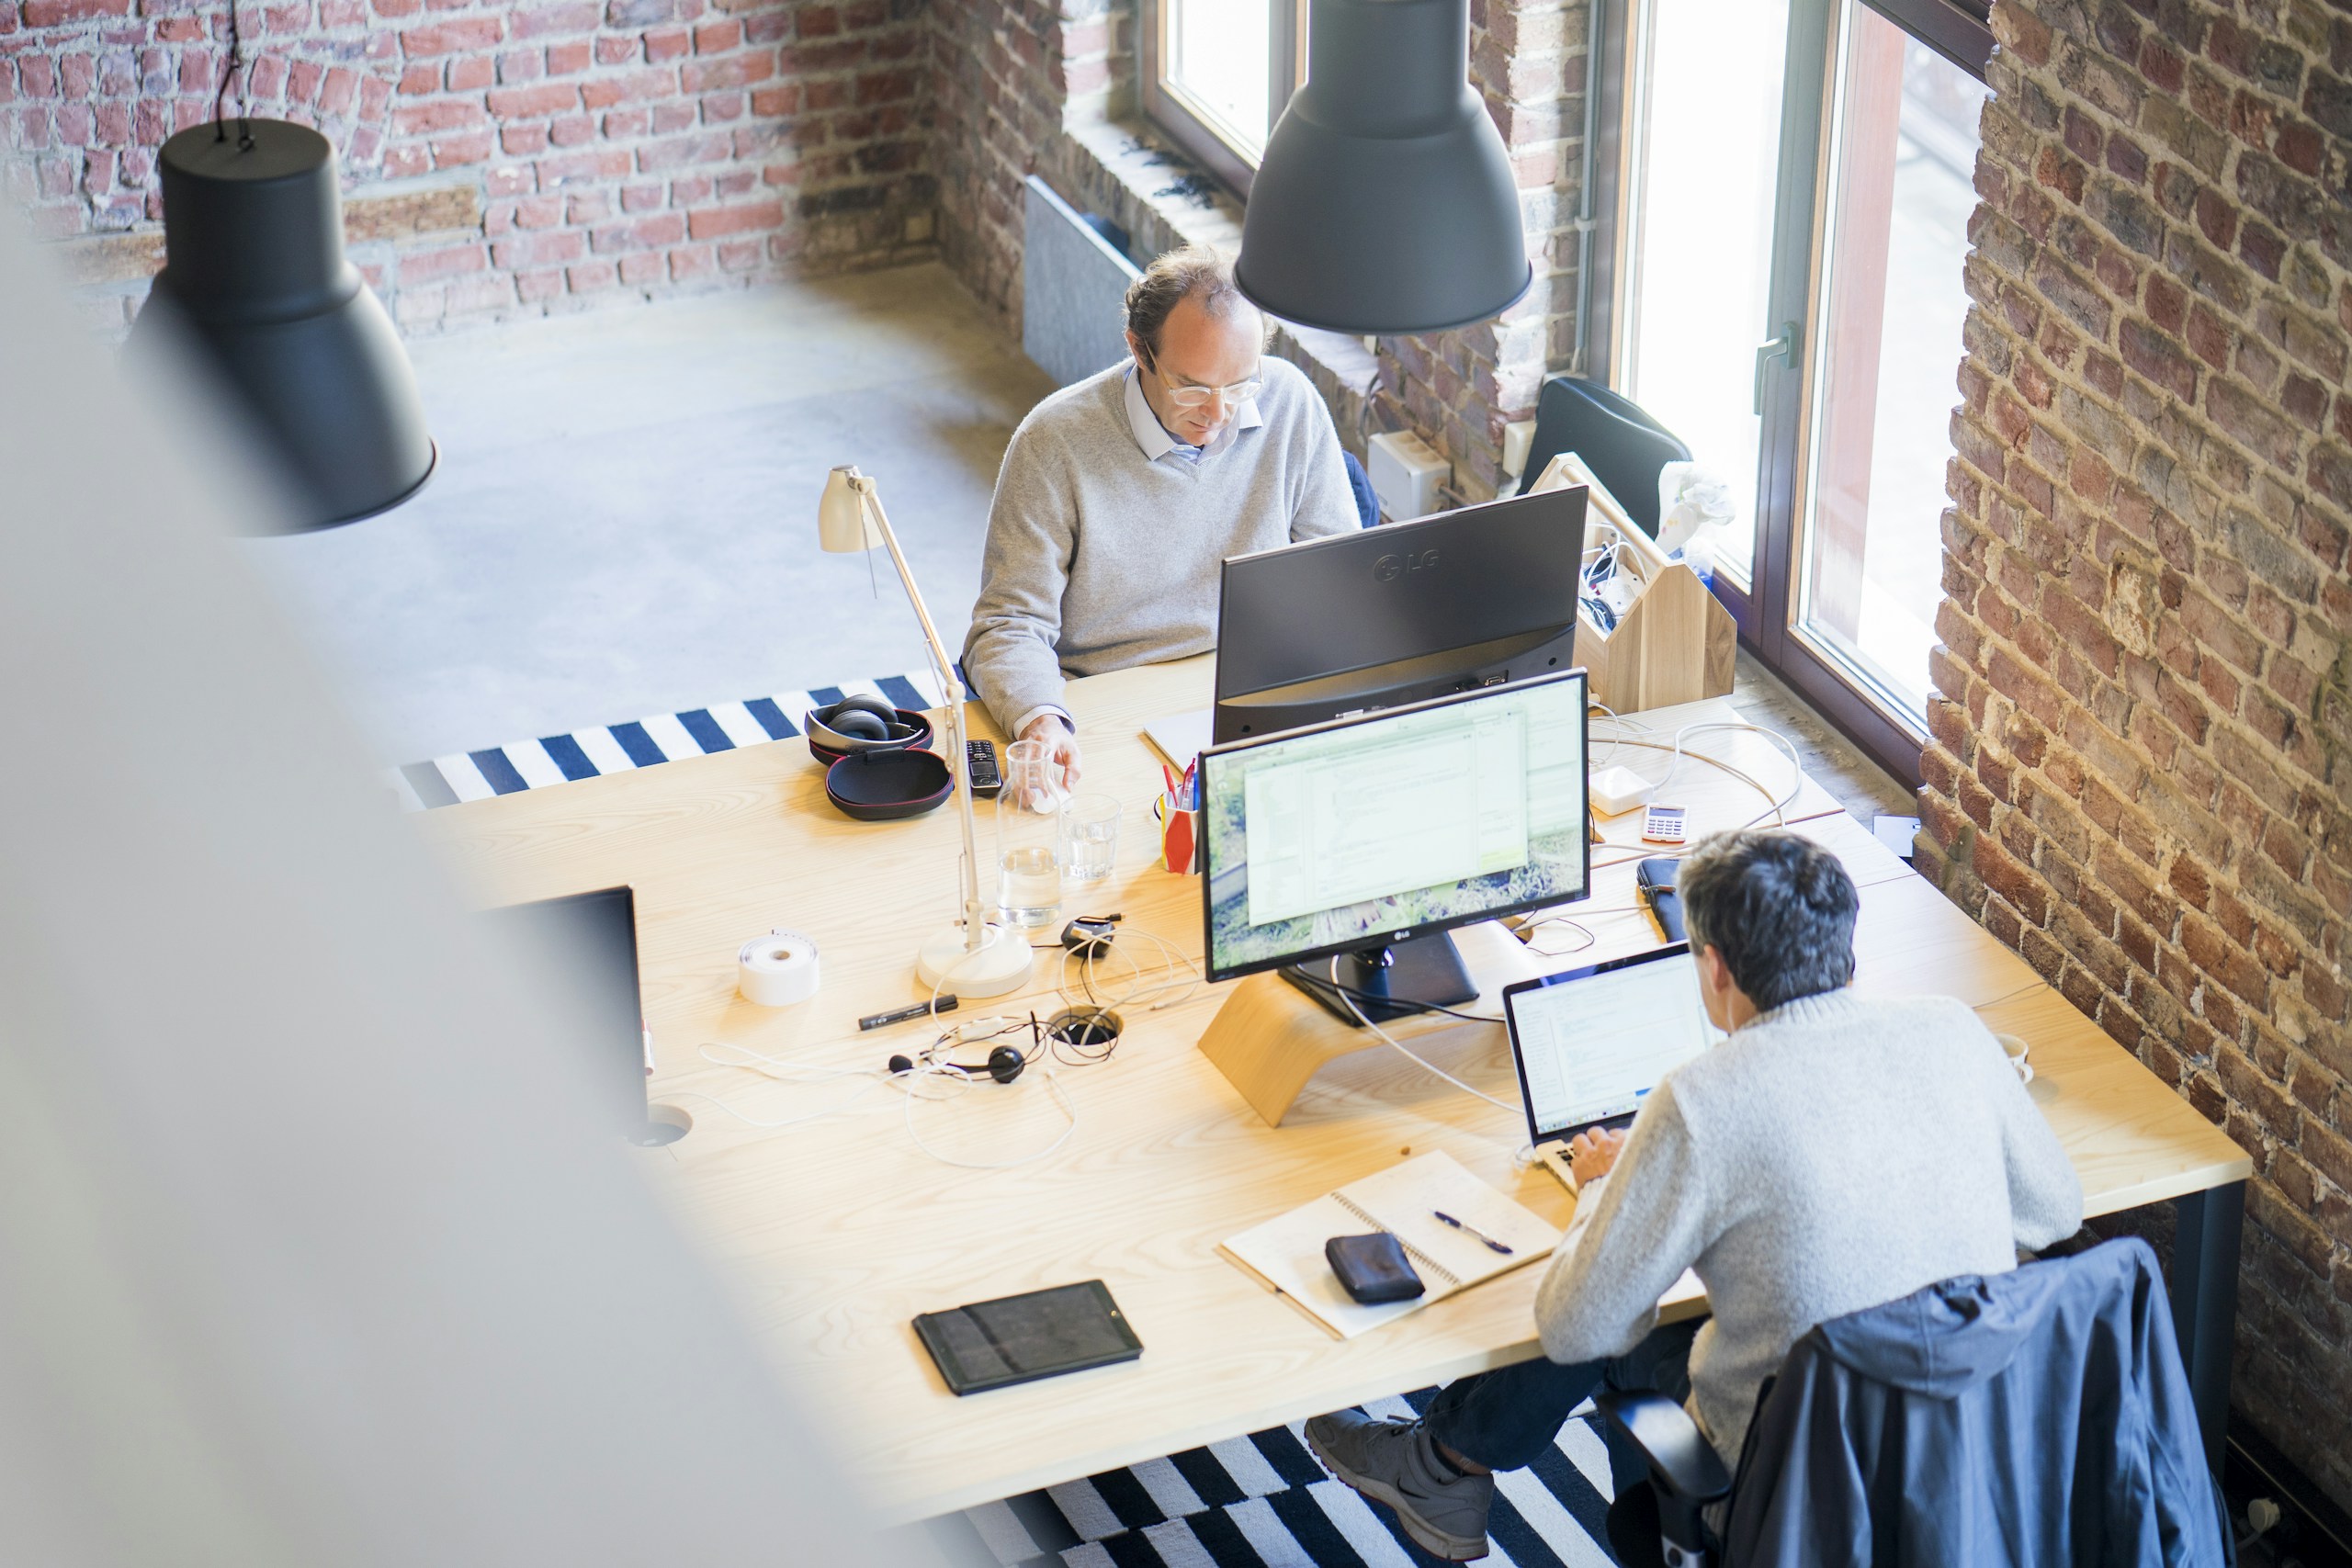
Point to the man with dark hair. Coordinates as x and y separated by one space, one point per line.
1836 1151
1121 496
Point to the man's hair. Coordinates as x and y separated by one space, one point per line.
1778 907
1191 272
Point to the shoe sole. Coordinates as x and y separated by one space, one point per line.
1453 1548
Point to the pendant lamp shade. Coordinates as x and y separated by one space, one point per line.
1386 201
255 282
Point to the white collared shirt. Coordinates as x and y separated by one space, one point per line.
1153 438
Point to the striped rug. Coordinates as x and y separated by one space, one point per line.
1259 1501
638 743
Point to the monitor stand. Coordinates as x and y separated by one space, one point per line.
1390 982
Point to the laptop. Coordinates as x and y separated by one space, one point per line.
1590 1042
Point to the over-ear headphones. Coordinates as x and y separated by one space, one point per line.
1004 1065
866 718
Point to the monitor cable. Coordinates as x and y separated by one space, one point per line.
1347 993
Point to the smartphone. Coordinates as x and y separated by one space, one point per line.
1013 1339
1654 878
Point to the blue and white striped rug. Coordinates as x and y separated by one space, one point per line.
637 743
1259 1501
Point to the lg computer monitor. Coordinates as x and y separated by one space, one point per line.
1392 615
1367 839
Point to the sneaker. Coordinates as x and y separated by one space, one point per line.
1393 1462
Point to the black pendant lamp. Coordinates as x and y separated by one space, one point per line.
256 281
1386 201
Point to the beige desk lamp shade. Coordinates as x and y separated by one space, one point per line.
844 527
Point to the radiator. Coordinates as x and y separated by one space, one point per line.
1073 285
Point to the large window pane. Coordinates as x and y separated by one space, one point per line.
1704 141
1219 60
1891 307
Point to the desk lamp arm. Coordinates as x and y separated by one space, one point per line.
952 691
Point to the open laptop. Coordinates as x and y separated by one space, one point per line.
1590 1042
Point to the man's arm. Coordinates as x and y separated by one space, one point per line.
2045 1195
1326 503
1009 654
1633 1235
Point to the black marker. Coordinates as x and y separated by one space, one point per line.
900 1015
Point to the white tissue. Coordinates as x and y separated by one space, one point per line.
1690 497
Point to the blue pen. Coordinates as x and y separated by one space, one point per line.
1491 1243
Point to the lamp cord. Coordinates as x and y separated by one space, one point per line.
235 62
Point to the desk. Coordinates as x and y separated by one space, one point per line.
834 1234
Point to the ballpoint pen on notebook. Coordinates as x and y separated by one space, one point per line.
1474 1230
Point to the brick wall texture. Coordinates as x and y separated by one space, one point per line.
500 157
2142 771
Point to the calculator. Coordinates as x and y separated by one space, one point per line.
1662 825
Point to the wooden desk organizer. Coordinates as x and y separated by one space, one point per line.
1675 643
1270 1039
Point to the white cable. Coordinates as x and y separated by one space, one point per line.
783 1072
1347 996
1089 953
1053 1087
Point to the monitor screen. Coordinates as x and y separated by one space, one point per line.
1394 824
1592 1042
591 939
1397 614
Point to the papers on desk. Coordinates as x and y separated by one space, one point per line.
1285 1253
1183 737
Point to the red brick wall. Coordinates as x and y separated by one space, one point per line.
500 158
2142 771
1459 389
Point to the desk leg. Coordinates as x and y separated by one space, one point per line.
2205 1301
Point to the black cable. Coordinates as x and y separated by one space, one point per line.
1406 1003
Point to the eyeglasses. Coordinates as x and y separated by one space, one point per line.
1185 395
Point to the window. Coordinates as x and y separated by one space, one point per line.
1216 74
1791 193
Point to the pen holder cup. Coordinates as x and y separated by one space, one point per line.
1179 839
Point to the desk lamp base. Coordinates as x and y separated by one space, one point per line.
1001 964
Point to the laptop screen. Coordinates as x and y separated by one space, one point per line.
1592 1042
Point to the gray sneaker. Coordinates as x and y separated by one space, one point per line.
1391 1461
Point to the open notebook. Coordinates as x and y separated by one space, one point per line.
1287 1253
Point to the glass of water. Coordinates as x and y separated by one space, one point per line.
1090 844
1028 833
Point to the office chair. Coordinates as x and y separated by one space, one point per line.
1623 446
2039 1417
1359 485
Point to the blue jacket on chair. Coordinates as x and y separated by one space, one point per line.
2031 1419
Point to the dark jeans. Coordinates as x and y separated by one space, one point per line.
1505 1419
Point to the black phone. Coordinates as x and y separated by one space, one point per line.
1654 878
1011 1339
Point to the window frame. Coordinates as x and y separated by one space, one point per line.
1190 124
1767 603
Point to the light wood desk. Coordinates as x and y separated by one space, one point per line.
834 1233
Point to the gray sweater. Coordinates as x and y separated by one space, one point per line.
1833 1153
1099 557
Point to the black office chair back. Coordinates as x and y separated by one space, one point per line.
1623 446
2102 1348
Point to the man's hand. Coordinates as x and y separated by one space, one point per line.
1591 1155
1060 743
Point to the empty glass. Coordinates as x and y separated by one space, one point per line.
1089 845
1028 835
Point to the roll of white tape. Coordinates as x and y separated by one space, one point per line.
776 970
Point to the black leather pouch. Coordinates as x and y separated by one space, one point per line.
1372 1268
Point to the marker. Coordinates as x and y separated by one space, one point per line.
900 1015
1474 1230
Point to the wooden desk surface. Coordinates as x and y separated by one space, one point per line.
834 1233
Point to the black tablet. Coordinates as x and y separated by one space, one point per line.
1018 1338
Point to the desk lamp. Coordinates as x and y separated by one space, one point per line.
972 957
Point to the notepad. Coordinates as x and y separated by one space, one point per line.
1181 737
1285 1253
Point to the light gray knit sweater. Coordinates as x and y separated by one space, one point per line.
1833 1153
1099 557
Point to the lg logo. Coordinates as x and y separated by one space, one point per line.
1388 569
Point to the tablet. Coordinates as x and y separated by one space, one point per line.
1019 1338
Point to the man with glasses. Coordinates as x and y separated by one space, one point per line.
1122 495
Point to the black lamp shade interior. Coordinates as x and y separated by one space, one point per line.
1385 200
256 281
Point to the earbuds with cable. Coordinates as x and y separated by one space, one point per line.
1005 1063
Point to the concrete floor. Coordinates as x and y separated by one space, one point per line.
625 518
624 522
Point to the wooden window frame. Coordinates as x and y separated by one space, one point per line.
1190 124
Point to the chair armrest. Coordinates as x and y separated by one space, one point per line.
1682 1464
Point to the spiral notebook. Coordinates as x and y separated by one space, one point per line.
1285 1253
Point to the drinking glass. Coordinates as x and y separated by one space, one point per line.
1028 835
1089 846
